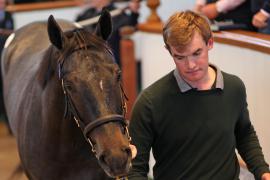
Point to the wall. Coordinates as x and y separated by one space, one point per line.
253 68
22 18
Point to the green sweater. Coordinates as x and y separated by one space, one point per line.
194 134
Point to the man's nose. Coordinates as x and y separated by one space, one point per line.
190 62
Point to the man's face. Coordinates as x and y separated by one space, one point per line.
192 61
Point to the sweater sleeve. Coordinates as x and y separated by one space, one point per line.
142 137
247 142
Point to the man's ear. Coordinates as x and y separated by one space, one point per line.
210 43
168 48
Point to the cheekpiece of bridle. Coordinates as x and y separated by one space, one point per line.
70 108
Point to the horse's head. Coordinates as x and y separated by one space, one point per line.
92 89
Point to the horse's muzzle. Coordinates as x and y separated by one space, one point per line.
116 162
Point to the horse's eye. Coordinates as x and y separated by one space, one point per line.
68 86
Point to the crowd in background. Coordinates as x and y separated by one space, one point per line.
252 14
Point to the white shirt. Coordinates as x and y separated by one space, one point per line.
223 5
265 13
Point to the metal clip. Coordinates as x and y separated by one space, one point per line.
77 121
92 146
62 82
127 132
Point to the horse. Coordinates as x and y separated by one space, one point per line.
57 76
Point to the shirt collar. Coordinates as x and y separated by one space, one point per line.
184 86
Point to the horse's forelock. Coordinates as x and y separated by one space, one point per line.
87 39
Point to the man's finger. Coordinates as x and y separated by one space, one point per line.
133 151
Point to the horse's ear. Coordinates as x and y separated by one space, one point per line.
104 25
55 33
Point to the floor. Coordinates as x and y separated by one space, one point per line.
9 159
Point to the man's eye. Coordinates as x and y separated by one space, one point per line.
197 53
180 58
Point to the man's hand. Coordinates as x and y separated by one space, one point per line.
133 151
266 176
259 20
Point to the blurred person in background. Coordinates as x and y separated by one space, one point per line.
6 27
261 20
128 17
6 22
238 11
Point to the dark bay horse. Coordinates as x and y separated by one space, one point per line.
53 74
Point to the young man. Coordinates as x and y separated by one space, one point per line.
196 116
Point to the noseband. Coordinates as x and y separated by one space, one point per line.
70 107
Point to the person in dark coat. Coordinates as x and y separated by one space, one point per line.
127 18
6 27
261 20
6 23
237 11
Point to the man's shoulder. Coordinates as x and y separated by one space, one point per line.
162 85
232 81
231 77
157 94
